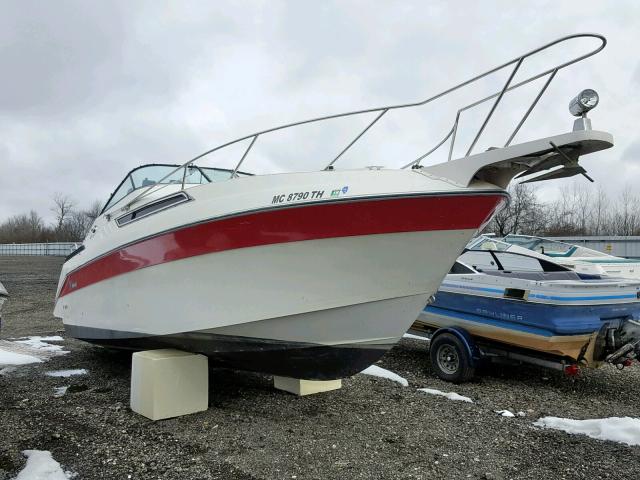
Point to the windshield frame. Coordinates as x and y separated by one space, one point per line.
129 176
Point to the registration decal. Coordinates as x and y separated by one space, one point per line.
308 195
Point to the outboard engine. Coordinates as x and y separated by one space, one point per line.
623 343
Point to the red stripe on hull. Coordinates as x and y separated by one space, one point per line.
308 222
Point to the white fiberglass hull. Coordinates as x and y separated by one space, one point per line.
350 298
620 268
313 289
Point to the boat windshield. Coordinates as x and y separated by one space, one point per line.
148 175
484 242
552 248
490 260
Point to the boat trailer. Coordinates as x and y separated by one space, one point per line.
455 354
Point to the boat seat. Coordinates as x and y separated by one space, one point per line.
538 276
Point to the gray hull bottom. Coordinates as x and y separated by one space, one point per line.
324 345
289 359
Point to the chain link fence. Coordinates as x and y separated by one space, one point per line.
59 249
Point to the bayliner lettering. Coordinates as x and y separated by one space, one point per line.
297 196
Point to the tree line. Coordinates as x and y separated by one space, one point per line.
71 224
578 210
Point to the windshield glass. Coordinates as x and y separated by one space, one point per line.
148 175
487 243
522 241
541 245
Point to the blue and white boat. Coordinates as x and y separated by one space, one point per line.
536 310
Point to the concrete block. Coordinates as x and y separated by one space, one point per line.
305 387
169 383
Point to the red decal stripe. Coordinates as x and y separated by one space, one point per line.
308 222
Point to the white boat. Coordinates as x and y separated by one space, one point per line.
308 275
578 258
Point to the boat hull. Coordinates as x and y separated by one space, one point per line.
566 346
350 298
567 331
299 346
317 290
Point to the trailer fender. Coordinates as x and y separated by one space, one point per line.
472 349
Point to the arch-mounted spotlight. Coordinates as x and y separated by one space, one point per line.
586 100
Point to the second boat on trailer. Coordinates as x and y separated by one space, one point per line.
514 307
309 275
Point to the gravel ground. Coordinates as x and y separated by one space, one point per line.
371 428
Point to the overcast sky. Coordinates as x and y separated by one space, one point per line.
90 90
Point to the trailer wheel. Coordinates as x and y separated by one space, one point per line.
450 359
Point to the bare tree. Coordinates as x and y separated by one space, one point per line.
94 210
22 229
522 215
76 226
600 214
626 220
62 208
583 208
561 214
35 226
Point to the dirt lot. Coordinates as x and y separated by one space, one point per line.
371 428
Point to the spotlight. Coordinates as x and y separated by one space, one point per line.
585 101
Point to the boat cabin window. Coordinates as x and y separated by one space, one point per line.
147 175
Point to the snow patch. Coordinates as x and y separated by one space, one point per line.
13 358
60 391
415 337
617 429
505 413
41 466
449 395
66 373
28 350
376 371
41 343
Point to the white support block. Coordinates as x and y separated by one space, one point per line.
305 387
169 383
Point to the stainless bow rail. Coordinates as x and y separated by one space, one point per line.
382 111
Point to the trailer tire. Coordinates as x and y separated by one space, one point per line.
450 359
